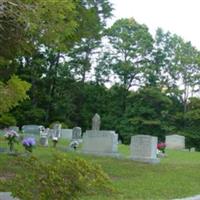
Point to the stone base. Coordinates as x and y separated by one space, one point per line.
101 154
161 155
147 160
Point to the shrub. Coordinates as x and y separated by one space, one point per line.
61 179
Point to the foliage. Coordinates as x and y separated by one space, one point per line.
147 113
7 120
62 178
77 67
190 123
12 93
148 181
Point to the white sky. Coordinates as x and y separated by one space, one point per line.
177 16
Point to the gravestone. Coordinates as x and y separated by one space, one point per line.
96 122
32 129
76 133
100 143
144 148
57 130
14 128
66 134
175 142
44 137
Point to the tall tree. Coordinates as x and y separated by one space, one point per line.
130 45
178 63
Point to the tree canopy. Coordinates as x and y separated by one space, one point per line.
59 61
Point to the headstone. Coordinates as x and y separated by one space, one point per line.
96 122
44 137
192 149
32 129
66 134
175 142
100 143
57 130
14 128
76 133
51 133
144 148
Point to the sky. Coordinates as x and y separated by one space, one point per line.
177 16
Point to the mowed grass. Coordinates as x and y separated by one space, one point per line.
177 175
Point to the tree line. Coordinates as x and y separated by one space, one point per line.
60 62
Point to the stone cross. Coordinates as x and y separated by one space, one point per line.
96 122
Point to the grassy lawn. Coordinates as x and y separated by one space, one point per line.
178 175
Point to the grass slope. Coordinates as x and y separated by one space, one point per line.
178 175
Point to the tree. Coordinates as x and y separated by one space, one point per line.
48 67
146 113
130 45
12 93
178 63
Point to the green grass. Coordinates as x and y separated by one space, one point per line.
177 176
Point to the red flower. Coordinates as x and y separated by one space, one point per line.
161 146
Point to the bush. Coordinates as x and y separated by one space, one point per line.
61 179
7 120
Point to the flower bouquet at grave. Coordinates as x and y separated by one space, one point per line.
55 141
74 144
12 137
161 146
29 143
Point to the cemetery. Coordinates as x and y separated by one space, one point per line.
136 171
97 103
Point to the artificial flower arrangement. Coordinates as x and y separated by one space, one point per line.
12 137
29 143
161 146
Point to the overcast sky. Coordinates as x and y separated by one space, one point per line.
177 16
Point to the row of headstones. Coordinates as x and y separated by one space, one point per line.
57 131
143 147
43 134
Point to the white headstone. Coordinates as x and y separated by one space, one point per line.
96 122
144 148
76 133
44 141
57 130
44 137
66 134
100 143
32 129
175 142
